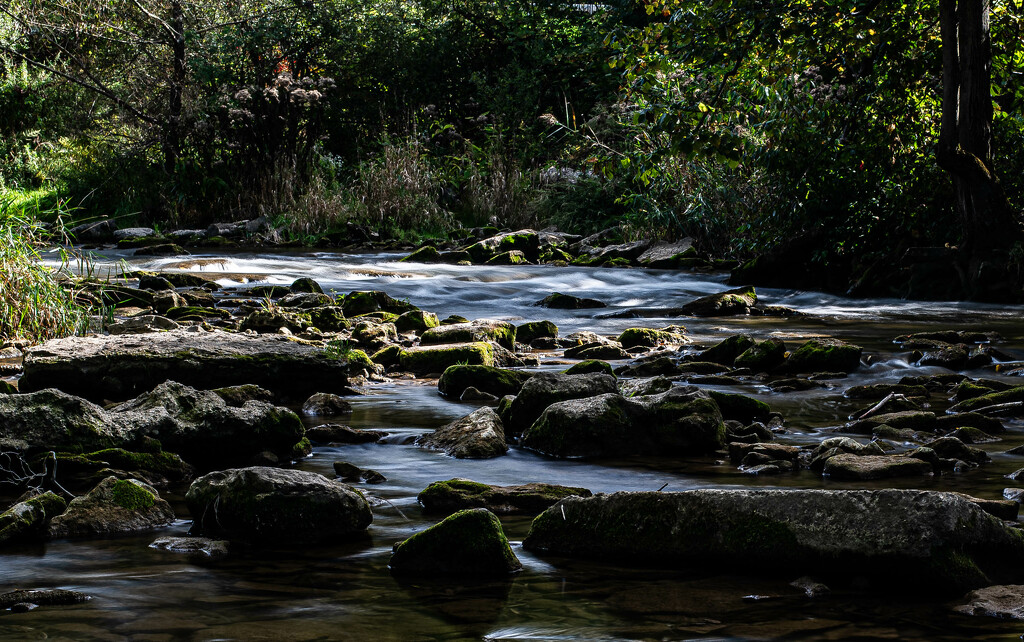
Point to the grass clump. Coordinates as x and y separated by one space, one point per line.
34 305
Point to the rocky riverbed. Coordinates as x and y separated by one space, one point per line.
704 459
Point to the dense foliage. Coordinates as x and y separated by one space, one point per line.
744 124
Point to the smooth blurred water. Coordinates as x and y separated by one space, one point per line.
345 592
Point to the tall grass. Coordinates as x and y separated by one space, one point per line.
33 303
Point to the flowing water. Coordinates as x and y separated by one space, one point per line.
345 592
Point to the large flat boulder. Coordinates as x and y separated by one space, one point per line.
122 366
197 424
930 541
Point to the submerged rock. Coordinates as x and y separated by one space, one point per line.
527 499
479 435
469 542
559 301
42 597
115 506
202 547
120 367
263 505
901 538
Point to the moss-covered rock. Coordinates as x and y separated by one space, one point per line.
446 497
513 257
649 337
273 320
501 332
361 302
544 389
901 539
496 381
158 468
763 356
374 336
601 351
912 419
525 241
416 321
237 396
305 284
672 423
741 407
115 506
262 505
824 355
727 350
328 318
728 303
469 542
588 366
425 254
389 356
437 359
192 312
28 520
527 332
878 391
991 399
478 435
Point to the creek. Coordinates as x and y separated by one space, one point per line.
345 591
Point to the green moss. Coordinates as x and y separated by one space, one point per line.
951 567
991 399
329 318
500 332
591 365
648 337
740 407
388 356
131 496
429 359
416 321
469 542
361 302
162 463
527 332
301 449
514 257
762 356
617 262
496 381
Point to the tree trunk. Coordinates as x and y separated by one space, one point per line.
965 139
